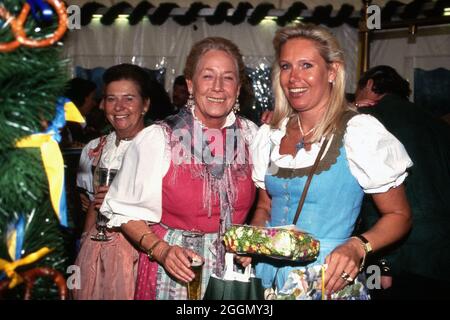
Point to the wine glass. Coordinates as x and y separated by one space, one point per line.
102 177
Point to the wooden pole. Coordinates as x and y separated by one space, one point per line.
364 44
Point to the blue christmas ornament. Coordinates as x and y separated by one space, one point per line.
40 10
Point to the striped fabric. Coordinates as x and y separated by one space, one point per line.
167 288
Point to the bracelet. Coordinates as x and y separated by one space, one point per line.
364 242
142 239
363 262
367 249
150 250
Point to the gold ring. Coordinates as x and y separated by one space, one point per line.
345 276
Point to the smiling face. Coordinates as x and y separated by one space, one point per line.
215 87
124 106
305 76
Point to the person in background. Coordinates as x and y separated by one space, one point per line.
180 94
169 183
161 106
108 269
359 156
82 93
418 266
246 101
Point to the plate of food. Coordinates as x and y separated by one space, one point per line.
284 242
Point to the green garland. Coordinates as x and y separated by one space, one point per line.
31 80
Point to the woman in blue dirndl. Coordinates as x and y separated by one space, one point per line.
360 156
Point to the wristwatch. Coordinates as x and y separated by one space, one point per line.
365 243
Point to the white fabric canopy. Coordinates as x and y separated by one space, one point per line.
150 46
428 50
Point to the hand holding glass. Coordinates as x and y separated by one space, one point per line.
194 241
102 177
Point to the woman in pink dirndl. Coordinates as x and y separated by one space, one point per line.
108 268
190 172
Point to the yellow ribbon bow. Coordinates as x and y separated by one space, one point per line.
9 267
53 164
53 160
72 113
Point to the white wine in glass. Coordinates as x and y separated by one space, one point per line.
102 177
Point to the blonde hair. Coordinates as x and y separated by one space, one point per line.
214 43
331 52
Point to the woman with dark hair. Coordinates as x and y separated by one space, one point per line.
191 171
108 269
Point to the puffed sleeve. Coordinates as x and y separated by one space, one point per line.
136 192
377 159
84 172
260 154
252 130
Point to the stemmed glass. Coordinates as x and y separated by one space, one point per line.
102 177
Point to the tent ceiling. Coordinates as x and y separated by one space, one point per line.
281 4
239 12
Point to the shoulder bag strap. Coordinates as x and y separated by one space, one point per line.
308 181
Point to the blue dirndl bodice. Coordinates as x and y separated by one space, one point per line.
329 214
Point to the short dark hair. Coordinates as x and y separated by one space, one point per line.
385 80
180 81
78 89
126 71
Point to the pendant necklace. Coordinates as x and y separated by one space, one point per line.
301 143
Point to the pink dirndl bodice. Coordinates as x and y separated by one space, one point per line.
182 208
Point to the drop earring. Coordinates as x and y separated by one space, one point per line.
237 106
190 102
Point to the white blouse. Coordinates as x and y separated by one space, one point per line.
136 192
375 157
111 157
